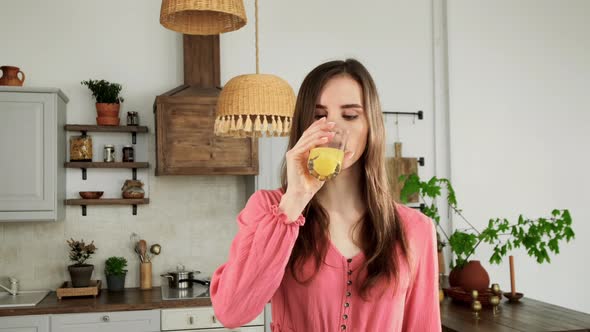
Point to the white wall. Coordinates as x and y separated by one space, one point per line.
519 74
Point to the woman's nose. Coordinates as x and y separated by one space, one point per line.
334 117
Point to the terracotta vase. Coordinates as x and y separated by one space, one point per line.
108 114
10 76
469 277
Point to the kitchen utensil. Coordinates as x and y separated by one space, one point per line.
142 249
138 252
182 278
155 249
398 166
134 237
10 76
91 194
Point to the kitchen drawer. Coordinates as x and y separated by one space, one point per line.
36 323
197 318
239 329
128 321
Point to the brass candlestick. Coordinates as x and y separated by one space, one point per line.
495 300
475 305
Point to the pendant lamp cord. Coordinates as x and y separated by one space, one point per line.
256 21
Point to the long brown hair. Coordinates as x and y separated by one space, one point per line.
381 236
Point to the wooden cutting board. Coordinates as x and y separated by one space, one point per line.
397 166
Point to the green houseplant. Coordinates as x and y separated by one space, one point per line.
538 236
115 272
80 272
108 100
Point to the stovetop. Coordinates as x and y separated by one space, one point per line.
197 291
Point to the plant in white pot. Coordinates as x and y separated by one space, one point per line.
114 269
80 272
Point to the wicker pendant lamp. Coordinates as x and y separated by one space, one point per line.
256 104
202 17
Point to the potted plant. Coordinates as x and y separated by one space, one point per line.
80 273
108 100
537 235
115 271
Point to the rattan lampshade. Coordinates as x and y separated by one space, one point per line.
203 17
255 104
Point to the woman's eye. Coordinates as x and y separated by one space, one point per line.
350 117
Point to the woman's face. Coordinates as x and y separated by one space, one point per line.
341 101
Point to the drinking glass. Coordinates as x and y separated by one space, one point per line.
325 161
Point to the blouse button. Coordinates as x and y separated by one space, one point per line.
349 260
343 327
349 282
349 272
345 316
348 293
346 304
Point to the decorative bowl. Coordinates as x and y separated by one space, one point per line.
91 194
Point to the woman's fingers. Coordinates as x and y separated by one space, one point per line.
318 138
320 125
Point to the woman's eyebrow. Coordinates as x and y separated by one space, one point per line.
351 106
323 107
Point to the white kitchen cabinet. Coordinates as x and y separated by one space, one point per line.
239 329
127 321
32 152
32 323
203 319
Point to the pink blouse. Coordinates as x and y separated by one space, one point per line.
256 273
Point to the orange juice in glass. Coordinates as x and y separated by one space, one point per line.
325 161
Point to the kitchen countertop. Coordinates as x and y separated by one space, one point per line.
129 299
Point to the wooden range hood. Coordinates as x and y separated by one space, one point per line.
185 116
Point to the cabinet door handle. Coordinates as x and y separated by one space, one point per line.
191 320
105 318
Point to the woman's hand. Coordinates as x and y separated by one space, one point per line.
301 185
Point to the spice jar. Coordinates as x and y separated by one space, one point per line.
128 153
132 119
132 189
109 153
81 148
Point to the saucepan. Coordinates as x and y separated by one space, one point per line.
182 278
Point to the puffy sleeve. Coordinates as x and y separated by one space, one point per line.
422 310
259 253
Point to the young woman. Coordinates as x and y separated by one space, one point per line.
338 255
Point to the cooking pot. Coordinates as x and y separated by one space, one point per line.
182 278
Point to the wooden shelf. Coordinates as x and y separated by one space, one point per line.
83 165
107 201
93 164
111 129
